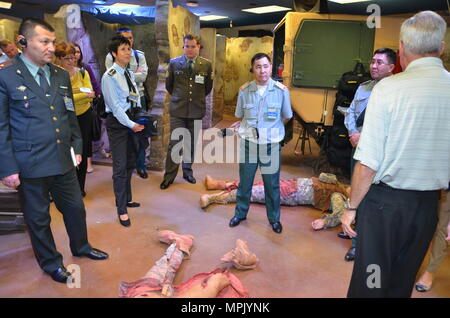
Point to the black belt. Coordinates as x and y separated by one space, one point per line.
386 186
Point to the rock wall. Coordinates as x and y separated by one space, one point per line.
219 104
59 25
180 22
8 29
239 52
171 24
208 51
158 145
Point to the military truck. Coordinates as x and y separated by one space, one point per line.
313 50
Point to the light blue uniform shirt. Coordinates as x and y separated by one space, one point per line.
263 112
115 92
34 69
139 77
357 106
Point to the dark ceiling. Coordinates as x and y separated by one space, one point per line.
232 8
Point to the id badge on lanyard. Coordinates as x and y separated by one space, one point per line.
68 102
133 97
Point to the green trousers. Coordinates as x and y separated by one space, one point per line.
267 157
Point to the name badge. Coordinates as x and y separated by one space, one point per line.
85 90
133 97
69 104
271 114
200 79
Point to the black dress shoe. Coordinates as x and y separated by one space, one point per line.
165 184
350 256
235 221
277 227
142 173
126 223
133 204
95 254
344 236
190 179
61 275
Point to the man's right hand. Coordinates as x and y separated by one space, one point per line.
354 139
137 128
11 181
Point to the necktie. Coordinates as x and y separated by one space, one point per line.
360 119
43 81
190 62
131 87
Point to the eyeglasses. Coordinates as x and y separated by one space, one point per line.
378 62
69 58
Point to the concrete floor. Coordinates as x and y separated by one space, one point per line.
297 263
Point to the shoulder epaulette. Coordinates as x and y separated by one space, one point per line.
280 86
244 86
6 63
205 59
111 72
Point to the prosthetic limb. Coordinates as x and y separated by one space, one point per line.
223 197
333 219
241 256
209 289
212 184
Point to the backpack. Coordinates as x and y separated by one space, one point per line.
338 148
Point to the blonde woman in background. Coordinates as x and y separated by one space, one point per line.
82 96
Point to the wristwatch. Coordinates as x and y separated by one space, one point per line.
348 206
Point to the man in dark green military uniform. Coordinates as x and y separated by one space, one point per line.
189 81
40 142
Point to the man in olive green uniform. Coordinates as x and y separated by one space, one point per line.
189 81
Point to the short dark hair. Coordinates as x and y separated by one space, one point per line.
123 30
115 42
258 56
29 24
391 56
191 37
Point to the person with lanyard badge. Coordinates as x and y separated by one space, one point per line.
189 81
40 143
264 106
121 99
138 66
82 95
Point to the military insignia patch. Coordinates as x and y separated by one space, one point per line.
21 88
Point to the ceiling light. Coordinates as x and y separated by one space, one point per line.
192 4
212 17
266 9
99 2
5 5
120 4
348 1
